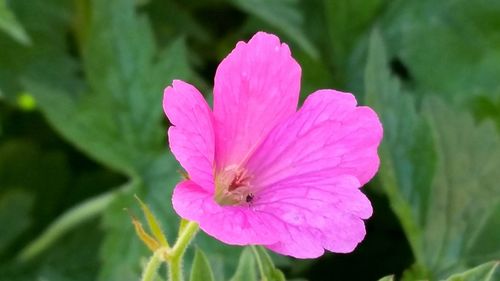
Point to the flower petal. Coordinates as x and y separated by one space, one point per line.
256 87
191 137
328 137
308 172
236 225
319 213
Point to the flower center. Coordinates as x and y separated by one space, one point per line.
232 187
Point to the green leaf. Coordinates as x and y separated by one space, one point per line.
485 272
485 107
46 181
66 222
46 59
10 25
284 15
201 270
246 270
122 251
464 191
344 21
463 47
117 118
15 208
438 169
266 266
74 259
387 278
407 151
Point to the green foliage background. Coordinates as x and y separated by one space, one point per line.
82 129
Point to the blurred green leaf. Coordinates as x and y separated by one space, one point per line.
345 21
74 259
464 191
266 266
439 171
246 270
67 221
42 173
47 58
282 14
407 151
484 272
117 120
15 215
122 250
387 278
451 48
10 25
201 270
487 108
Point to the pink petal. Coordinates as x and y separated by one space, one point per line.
191 137
309 169
236 225
301 243
256 87
329 136
319 213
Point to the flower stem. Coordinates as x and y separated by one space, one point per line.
151 268
177 253
175 270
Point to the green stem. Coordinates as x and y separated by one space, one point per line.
71 218
259 262
151 268
177 253
175 269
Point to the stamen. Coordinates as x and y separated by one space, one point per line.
232 187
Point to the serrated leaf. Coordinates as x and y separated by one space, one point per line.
246 270
117 118
437 170
266 266
485 272
10 24
201 270
464 191
407 150
460 59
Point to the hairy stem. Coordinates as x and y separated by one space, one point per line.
151 268
175 261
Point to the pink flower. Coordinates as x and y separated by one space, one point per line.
261 171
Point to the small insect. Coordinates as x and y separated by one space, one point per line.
249 197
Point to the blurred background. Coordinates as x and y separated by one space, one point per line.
82 128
